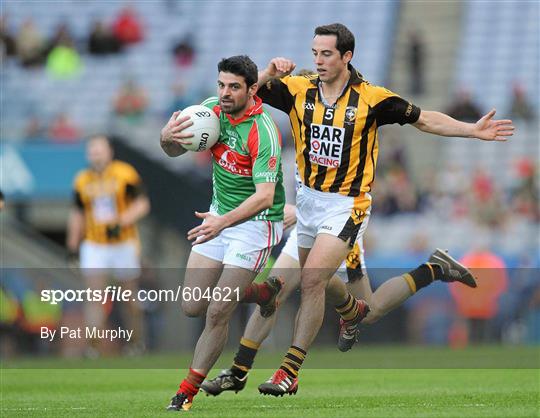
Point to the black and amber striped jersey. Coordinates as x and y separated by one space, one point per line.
336 146
103 197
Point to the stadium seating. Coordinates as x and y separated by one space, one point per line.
499 46
488 63
88 97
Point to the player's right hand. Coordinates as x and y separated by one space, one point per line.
172 132
72 259
280 67
113 231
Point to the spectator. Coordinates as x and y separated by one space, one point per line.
101 40
8 48
63 130
62 36
181 99
521 108
34 129
463 108
64 61
525 193
446 193
131 102
127 28
486 204
30 45
481 304
416 62
532 317
184 52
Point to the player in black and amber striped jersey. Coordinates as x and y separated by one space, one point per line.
334 119
336 144
109 200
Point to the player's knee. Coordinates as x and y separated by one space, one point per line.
194 309
312 283
217 314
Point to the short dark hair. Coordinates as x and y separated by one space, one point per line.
101 137
240 65
345 38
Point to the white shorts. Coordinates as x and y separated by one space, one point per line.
121 261
330 213
353 267
247 245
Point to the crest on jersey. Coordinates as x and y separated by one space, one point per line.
350 114
357 215
272 163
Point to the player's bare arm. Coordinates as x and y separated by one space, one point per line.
289 216
75 230
277 67
486 128
172 136
262 199
138 209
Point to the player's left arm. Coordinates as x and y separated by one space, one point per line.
487 128
138 203
262 199
265 149
289 215
138 209
389 108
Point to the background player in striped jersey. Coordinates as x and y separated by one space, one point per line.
109 200
246 215
334 119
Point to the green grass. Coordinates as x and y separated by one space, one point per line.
381 392
362 357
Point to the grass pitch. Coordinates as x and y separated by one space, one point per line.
382 392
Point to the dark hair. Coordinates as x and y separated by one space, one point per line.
345 38
102 137
240 65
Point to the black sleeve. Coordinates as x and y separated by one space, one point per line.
276 94
396 110
134 190
77 201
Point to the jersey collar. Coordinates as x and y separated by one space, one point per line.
256 109
355 78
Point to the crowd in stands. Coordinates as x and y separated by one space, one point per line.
32 49
454 194
62 56
130 102
451 192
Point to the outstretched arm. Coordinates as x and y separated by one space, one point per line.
485 129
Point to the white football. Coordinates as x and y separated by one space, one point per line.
205 128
